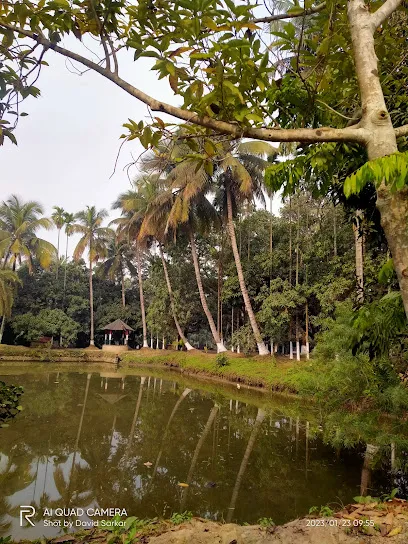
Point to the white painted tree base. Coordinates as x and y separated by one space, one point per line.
189 347
145 344
262 349
221 348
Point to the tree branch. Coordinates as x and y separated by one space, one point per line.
321 134
280 16
383 12
401 131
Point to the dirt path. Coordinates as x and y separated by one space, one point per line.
295 532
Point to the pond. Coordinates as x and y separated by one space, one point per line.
101 440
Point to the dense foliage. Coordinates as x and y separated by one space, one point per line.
9 402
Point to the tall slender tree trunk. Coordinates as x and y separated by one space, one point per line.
210 319
141 297
91 302
189 347
290 240
262 349
270 237
297 276
58 252
381 140
65 267
3 324
334 232
359 247
122 282
307 331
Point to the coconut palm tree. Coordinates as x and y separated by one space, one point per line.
58 218
69 219
239 182
133 204
19 222
237 179
149 189
118 259
94 239
183 205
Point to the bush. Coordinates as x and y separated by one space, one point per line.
221 360
351 368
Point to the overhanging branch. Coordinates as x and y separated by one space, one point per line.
383 12
280 16
322 134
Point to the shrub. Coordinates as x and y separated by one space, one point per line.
221 360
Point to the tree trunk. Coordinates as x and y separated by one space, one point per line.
58 248
382 141
307 331
217 339
122 281
334 233
262 349
91 339
270 238
141 297
189 347
65 268
232 329
290 240
3 324
359 249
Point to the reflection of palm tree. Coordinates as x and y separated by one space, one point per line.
200 443
132 429
81 421
176 407
258 422
13 478
5 508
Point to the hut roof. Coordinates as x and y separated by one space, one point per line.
117 325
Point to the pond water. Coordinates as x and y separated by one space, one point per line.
107 440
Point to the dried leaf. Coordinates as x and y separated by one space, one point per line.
182 484
395 531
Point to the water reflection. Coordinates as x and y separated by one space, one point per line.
108 440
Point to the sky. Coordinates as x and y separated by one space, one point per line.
68 144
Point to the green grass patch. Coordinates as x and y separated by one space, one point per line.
265 372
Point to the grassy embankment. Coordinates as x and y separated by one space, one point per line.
264 372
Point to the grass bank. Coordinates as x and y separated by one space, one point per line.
266 373
262 372
47 355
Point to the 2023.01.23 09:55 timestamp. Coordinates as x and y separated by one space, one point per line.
339 522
